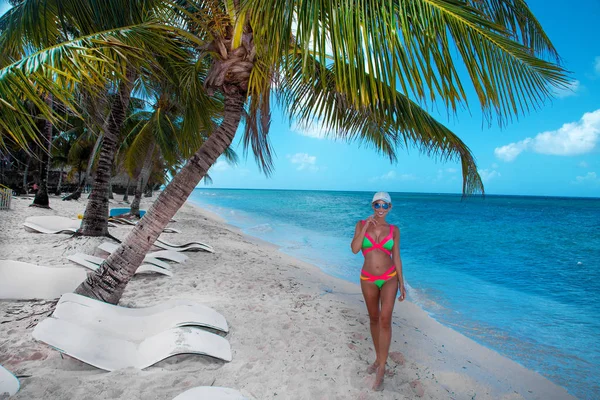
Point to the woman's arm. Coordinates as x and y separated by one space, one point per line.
398 263
359 235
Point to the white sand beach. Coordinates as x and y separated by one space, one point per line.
295 332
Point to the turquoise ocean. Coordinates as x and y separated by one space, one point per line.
520 275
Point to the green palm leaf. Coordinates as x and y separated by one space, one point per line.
89 61
411 44
385 126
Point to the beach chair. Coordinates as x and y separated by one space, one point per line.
93 263
163 254
137 323
191 246
210 393
24 281
9 384
110 353
147 260
53 224
125 221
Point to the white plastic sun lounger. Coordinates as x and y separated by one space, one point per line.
125 221
54 224
148 260
210 393
8 382
192 246
137 323
111 353
93 263
169 255
24 281
163 254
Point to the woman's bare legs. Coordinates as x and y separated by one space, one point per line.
380 305
371 295
388 299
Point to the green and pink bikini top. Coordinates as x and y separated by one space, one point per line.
386 244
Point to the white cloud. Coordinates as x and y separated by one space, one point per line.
487 175
311 129
589 178
571 139
446 175
304 161
597 65
494 166
388 176
571 89
393 176
220 165
583 164
512 150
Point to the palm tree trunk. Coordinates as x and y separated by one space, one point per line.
95 218
126 195
58 187
109 281
25 175
41 197
142 179
88 170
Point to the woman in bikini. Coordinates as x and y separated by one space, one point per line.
381 277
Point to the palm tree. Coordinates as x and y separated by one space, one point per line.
84 46
355 67
41 198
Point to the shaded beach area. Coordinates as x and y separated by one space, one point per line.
295 332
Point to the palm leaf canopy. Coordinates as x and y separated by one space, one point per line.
82 46
368 69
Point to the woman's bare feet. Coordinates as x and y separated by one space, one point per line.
378 385
372 368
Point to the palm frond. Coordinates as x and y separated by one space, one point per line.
412 45
401 123
258 118
231 156
89 61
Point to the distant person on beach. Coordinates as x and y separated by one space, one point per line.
381 277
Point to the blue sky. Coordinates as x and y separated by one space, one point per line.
552 151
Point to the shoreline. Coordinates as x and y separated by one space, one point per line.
295 331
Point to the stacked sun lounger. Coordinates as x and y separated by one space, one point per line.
125 221
191 246
53 224
93 263
9 384
25 281
162 255
111 337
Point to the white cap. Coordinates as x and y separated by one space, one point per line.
382 196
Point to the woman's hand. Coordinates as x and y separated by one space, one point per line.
402 292
370 220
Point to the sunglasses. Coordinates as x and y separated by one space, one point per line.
385 206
